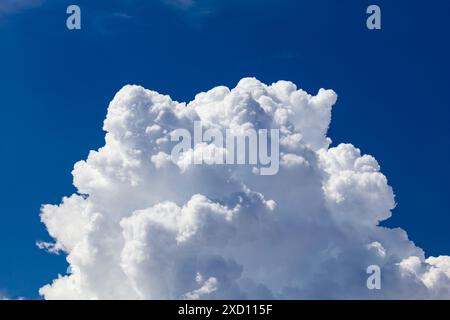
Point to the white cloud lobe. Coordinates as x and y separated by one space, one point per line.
144 227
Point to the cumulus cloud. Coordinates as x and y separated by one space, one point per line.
144 227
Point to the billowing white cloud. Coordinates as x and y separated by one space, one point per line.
144 227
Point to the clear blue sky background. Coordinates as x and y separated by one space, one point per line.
55 86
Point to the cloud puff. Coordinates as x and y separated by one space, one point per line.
144 227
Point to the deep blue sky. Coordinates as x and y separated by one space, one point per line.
55 86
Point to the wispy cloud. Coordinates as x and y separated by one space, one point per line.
181 4
11 6
122 15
